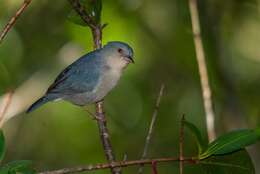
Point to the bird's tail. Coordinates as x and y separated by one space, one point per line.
38 103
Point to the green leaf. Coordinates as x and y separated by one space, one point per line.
2 145
97 10
201 144
238 162
92 7
231 142
75 18
18 167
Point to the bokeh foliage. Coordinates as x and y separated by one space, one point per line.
160 33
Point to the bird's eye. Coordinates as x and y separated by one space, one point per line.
120 50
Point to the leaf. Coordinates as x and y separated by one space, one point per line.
238 162
93 9
97 10
75 18
201 144
231 142
18 167
2 145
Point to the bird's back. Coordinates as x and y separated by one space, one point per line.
81 76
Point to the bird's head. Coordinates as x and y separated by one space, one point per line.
118 53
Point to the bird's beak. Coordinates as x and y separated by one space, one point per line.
131 60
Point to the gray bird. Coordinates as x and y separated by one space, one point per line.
90 78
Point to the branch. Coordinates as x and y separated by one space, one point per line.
102 123
151 127
204 80
104 135
5 106
86 168
13 19
181 141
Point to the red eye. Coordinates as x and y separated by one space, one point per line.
120 50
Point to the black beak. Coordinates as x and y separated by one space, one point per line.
131 59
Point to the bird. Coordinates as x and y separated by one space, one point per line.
91 77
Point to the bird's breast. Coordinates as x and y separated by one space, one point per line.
107 82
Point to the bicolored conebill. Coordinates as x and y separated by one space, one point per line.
90 78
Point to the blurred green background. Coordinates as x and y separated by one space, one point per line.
59 134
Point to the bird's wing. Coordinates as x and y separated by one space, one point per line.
60 78
80 76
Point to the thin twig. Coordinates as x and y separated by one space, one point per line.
95 167
102 123
125 157
154 167
181 142
13 19
200 55
151 127
6 103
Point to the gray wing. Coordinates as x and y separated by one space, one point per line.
81 76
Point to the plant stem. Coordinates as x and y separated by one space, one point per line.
151 127
181 142
5 105
204 80
86 168
12 21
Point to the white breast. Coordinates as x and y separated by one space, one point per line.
106 83
110 76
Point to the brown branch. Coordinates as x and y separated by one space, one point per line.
6 103
200 55
104 135
151 127
181 142
13 20
97 36
86 168
102 123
